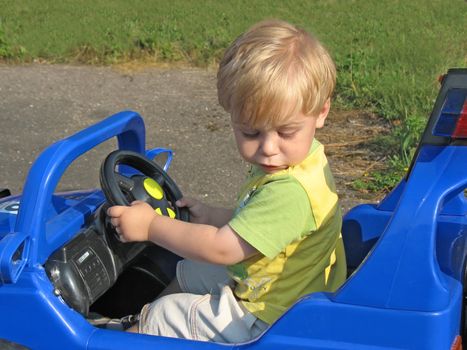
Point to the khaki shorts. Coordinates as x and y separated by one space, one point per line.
206 310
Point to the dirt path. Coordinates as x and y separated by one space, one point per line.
43 103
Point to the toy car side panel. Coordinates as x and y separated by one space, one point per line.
48 322
318 322
403 259
111 340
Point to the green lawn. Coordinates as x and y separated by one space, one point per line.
388 52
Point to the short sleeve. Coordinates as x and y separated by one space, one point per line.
276 214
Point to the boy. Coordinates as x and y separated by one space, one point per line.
244 268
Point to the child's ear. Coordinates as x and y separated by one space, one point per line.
323 114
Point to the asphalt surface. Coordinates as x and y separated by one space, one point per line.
40 104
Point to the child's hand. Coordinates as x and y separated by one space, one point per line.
132 223
199 212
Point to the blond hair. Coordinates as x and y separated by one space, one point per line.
273 71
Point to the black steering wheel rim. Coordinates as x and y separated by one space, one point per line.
114 194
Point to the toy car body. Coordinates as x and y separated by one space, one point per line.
407 255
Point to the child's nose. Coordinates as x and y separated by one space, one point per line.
269 144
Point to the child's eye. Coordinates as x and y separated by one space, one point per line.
250 133
287 134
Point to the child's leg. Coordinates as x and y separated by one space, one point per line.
194 278
201 278
197 278
200 317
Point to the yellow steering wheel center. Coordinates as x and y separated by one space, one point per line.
153 188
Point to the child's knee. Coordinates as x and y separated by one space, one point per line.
167 316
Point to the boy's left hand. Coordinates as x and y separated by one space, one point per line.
132 222
199 212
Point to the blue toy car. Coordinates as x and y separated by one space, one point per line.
60 259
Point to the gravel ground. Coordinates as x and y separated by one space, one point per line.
40 104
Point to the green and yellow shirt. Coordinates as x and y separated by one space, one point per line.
293 219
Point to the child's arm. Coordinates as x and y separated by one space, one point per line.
201 242
204 214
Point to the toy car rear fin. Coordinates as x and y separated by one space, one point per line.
447 122
452 121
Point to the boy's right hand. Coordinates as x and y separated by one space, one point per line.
199 212
132 222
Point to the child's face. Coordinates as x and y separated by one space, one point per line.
281 146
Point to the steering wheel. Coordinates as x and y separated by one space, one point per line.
152 185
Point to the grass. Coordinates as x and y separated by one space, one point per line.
388 52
